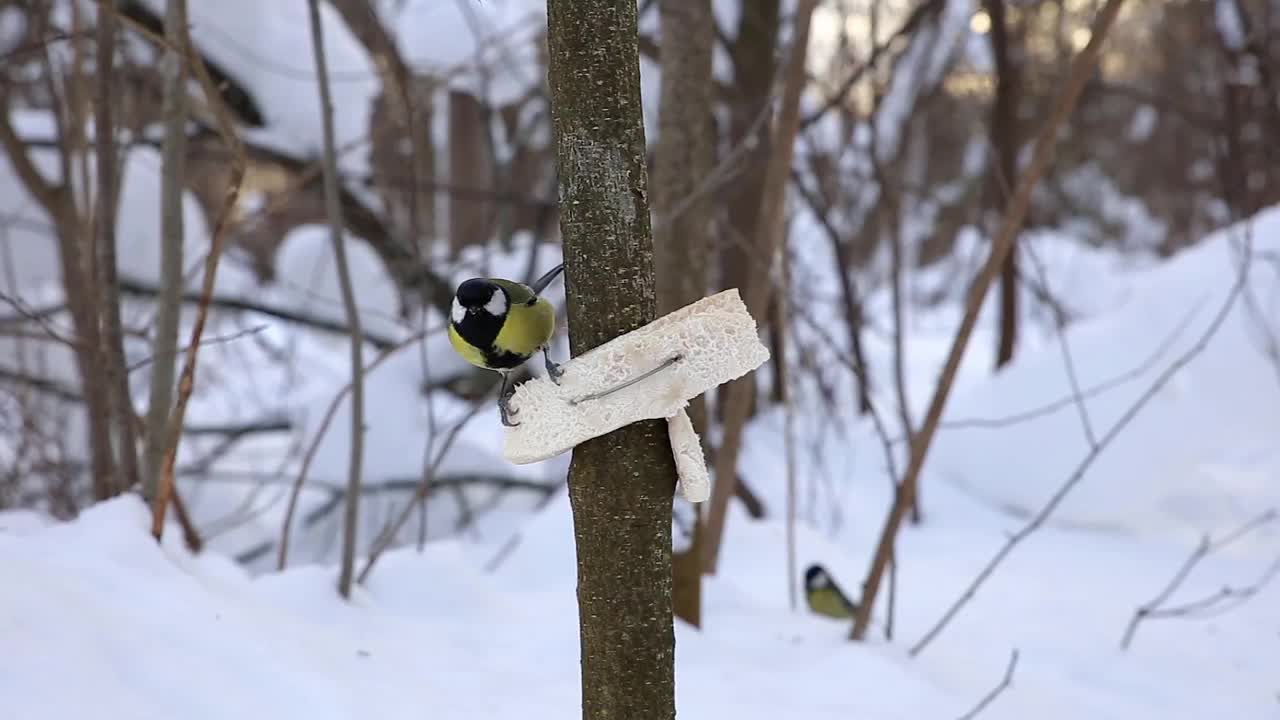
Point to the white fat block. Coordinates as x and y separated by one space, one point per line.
692 350
694 482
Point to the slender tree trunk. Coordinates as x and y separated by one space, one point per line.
122 419
58 201
620 484
1082 68
753 53
333 208
680 242
1005 139
770 228
81 302
172 169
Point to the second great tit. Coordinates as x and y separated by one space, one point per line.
498 324
824 596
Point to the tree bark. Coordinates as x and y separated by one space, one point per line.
620 484
333 208
120 398
753 53
1082 68
1006 141
169 303
770 227
56 199
680 241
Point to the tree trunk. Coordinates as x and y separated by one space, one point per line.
169 303
769 230
1005 140
471 212
620 484
406 108
333 209
680 237
71 229
752 52
120 398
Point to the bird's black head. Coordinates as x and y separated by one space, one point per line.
816 577
478 297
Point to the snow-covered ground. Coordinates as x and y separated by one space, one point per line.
97 620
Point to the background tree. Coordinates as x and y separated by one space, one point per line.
680 207
620 484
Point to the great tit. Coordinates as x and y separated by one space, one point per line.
499 324
824 596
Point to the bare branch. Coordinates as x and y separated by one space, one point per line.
333 208
282 558
997 691
106 162
770 229
1156 607
389 533
1068 361
922 11
173 169
186 382
1081 69
1094 452
381 342
211 340
49 196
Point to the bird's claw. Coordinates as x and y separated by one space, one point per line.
506 411
553 369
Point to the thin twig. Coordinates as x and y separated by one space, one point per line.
1015 214
841 95
333 208
1219 601
186 382
282 557
770 229
389 533
1155 607
788 430
297 317
1068 361
1094 452
1049 408
211 340
1005 683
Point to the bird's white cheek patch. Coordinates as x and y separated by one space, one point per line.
457 312
497 305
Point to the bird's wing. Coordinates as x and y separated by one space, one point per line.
519 293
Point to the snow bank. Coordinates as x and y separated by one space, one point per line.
1201 456
151 632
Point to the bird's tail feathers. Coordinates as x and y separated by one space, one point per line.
541 283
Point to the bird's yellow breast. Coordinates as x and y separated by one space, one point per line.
827 601
527 328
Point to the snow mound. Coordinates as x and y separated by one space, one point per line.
1202 453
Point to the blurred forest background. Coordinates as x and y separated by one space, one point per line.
131 160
